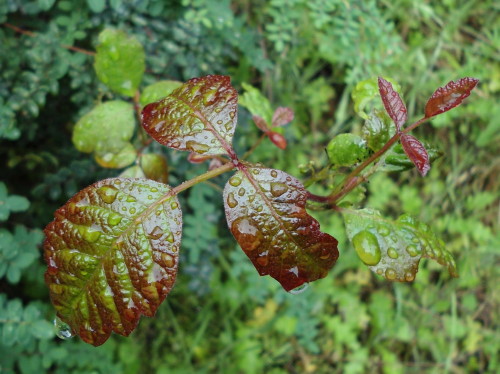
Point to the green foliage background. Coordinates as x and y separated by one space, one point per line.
221 317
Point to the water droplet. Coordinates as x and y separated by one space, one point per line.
299 289
412 250
255 171
278 189
392 253
409 276
390 274
62 329
168 260
219 122
241 191
228 126
156 233
218 110
132 210
175 144
107 194
114 219
263 260
383 230
174 205
367 247
232 114
235 181
88 234
247 233
251 198
154 189
274 173
197 147
231 201
170 237
415 240
260 208
131 199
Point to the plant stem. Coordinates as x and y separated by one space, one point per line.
352 180
254 146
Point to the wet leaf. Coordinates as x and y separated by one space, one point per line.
346 150
112 254
396 159
155 167
200 116
256 103
278 139
282 116
105 129
449 96
158 91
416 152
393 103
133 172
118 160
119 61
265 211
377 130
365 93
393 249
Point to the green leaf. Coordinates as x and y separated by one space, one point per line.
256 103
96 6
157 91
155 167
117 160
200 116
396 159
393 249
365 92
265 210
133 172
119 61
377 130
112 255
11 203
346 150
105 129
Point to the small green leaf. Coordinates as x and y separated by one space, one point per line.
112 255
119 61
11 203
105 129
133 172
346 150
377 130
365 92
155 167
256 103
393 249
158 91
200 117
396 159
117 160
96 6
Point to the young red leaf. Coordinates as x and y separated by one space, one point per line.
265 210
112 255
199 116
260 123
393 103
449 96
278 139
282 116
416 152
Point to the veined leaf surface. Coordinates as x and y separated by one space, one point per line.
200 116
112 254
416 152
265 210
393 103
393 249
449 96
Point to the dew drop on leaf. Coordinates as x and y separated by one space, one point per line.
62 329
168 260
241 191
392 253
132 210
278 189
156 233
390 274
235 181
412 250
197 147
231 201
170 237
299 289
88 234
114 219
367 247
107 194
249 236
383 230
174 205
274 173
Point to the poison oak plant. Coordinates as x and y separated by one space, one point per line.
113 249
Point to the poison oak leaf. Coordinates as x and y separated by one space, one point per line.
393 103
449 96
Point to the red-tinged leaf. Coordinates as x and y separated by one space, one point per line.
199 116
449 96
195 158
282 116
112 255
393 103
260 123
265 210
416 152
278 139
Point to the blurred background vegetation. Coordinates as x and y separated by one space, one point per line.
221 317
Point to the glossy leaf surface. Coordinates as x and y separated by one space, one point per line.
117 160
277 139
449 96
265 211
393 249
377 130
119 61
396 159
155 167
158 91
346 150
393 103
200 116
256 103
416 152
107 128
282 116
112 254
